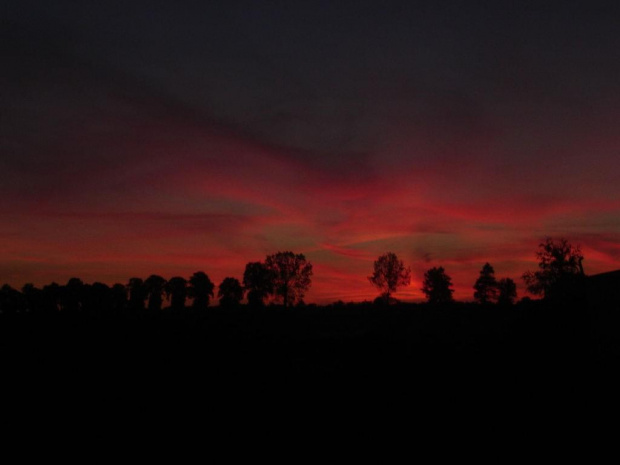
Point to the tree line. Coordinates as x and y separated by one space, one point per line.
390 274
284 278
559 277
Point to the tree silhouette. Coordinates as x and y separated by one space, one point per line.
291 276
119 298
200 289
33 298
137 294
507 291
486 285
176 291
72 295
155 286
51 298
230 292
98 299
258 282
11 300
389 274
559 272
436 286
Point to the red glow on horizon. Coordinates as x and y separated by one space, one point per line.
221 203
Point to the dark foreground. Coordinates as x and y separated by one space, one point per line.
361 356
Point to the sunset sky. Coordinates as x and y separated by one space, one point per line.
167 137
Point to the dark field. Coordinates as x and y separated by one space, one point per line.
456 351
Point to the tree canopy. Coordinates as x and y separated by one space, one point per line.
155 286
507 291
437 286
230 292
559 269
258 283
486 285
291 276
389 274
176 291
137 293
200 289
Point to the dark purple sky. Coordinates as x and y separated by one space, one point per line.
171 137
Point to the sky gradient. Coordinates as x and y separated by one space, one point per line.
172 137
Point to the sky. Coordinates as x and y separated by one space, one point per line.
168 137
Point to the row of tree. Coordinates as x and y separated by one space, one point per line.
285 277
559 276
390 274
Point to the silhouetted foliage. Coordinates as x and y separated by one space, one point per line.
176 291
98 299
507 291
230 292
258 282
389 274
155 286
486 285
11 300
72 294
436 286
383 300
200 289
33 298
291 275
119 298
51 298
137 294
560 272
